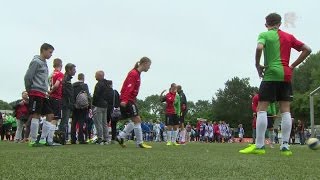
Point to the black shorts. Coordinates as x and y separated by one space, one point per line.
272 91
270 122
39 105
172 120
131 110
56 106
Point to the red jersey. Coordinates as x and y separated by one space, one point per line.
56 76
22 111
170 99
216 129
130 87
255 101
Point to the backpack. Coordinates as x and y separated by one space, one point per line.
116 112
82 100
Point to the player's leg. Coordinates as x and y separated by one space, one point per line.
285 97
46 128
18 136
35 109
176 125
56 107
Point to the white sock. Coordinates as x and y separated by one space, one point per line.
46 126
123 134
174 136
169 136
138 133
51 133
183 135
262 122
271 136
34 128
286 126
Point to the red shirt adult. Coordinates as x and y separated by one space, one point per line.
57 76
131 86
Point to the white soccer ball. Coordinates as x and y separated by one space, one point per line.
313 143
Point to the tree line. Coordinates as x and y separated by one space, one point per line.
233 103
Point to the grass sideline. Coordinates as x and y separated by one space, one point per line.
193 161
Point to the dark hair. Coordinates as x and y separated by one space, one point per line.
179 87
173 85
142 61
45 47
69 67
80 76
273 19
57 62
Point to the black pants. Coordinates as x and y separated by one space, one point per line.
79 116
113 124
89 125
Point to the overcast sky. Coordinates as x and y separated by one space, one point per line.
198 44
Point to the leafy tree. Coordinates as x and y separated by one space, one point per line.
5 106
233 103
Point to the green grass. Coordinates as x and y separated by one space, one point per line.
193 161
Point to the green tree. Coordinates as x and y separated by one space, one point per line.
233 103
306 78
5 106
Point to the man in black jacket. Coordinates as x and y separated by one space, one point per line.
113 102
100 109
67 100
79 115
184 110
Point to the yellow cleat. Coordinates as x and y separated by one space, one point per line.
144 146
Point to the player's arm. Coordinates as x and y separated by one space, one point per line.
129 90
55 86
304 54
162 97
259 67
30 74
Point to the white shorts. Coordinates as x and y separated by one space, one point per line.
241 136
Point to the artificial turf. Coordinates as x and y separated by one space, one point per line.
193 161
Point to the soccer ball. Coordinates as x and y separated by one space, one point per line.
313 143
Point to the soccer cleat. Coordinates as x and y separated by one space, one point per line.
121 142
144 146
34 144
175 144
169 143
53 144
252 149
42 142
286 152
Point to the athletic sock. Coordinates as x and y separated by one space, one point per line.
174 136
46 126
262 122
169 136
183 136
123 134
271 136
51 133
34 128
286 126
138 133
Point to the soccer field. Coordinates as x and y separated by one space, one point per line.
193 161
